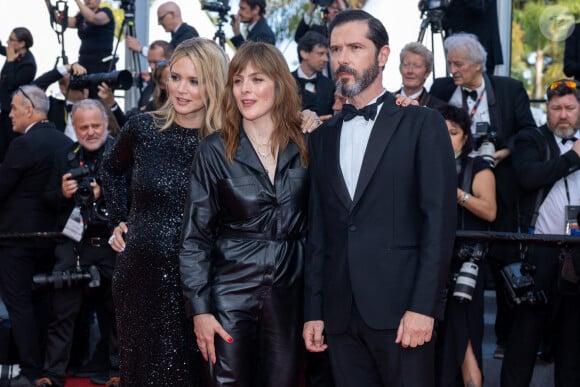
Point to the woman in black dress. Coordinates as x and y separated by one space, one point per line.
461 333
156 341
243 235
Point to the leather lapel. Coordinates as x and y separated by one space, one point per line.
333 163
246 154
385 125
287 155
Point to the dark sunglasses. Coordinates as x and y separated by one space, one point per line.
21 90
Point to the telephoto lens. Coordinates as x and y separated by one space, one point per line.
466 281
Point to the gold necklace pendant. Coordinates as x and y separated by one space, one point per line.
261 153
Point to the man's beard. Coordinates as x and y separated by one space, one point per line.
567 132
360 82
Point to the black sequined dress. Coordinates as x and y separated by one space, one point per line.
156 341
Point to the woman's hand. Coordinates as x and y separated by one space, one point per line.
310 121
405 101
205 327
117 240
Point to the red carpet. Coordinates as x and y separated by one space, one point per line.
79 382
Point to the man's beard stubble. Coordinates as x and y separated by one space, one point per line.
360 82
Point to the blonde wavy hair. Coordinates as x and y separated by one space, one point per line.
211 64
268 60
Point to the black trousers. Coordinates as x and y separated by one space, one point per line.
28 310
362 356
529 328
67 303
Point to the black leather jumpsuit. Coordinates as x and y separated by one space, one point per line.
242 260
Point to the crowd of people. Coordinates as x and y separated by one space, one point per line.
249 225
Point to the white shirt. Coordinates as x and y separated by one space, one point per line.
354 138
482 112
310 86
552 214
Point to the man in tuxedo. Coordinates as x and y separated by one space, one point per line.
383 188
169 17
251 13
547 162
572 54
24 175
502 105
317 90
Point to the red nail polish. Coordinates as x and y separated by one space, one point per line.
398 102
230 340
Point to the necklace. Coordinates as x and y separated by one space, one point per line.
259 150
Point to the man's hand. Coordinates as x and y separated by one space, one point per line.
69 186
133 43
500 155
106 95
414 330
205 327
235 23
312 335
75 69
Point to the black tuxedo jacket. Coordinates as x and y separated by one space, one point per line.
24 175
261 32
389 248
57 112
320 102
184 32
509 112
572 54
534 170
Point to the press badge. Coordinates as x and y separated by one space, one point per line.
75 226
572 227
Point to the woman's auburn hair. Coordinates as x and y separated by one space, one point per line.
266 59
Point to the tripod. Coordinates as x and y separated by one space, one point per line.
433 18
128 26
59 22
219 35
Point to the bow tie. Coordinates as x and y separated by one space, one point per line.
564 140
471 94
368 112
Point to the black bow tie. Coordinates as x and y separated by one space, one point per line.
564 140
368 112
471 94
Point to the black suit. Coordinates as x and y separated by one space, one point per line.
387 250
261 32
535 172
184 32
303 28
23 178
509 112
322 100
572 54
57 112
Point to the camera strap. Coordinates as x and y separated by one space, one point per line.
466 185
540 196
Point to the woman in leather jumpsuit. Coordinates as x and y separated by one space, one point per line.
243 234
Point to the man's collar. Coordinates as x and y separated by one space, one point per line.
302 75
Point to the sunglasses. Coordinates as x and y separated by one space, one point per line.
21 90
571 84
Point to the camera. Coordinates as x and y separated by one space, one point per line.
128 6
520 286
115 79
84 192
221 7
485 140
430 5
466 278
322 3
69 279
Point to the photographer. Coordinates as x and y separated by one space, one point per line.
252 13
546 162
73 189
329 10
459 353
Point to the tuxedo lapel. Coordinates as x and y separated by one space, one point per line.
333 164
494 110
382 132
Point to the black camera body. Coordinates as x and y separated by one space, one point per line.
84 193
466 278
128 6
431 5
222 7
115 79
322 3
69 279
485 141
520 286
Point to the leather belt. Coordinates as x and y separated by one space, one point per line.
95 241
262 235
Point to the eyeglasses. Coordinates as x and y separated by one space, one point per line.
413 66
21 90
565 82
160 18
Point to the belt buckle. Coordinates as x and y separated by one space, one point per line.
96 241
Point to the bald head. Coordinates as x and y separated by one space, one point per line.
169 16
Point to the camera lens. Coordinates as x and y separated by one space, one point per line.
466 281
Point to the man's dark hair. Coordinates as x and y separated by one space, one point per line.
310 40
257 3
461 118
24 35
563 87
167 49
377 32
